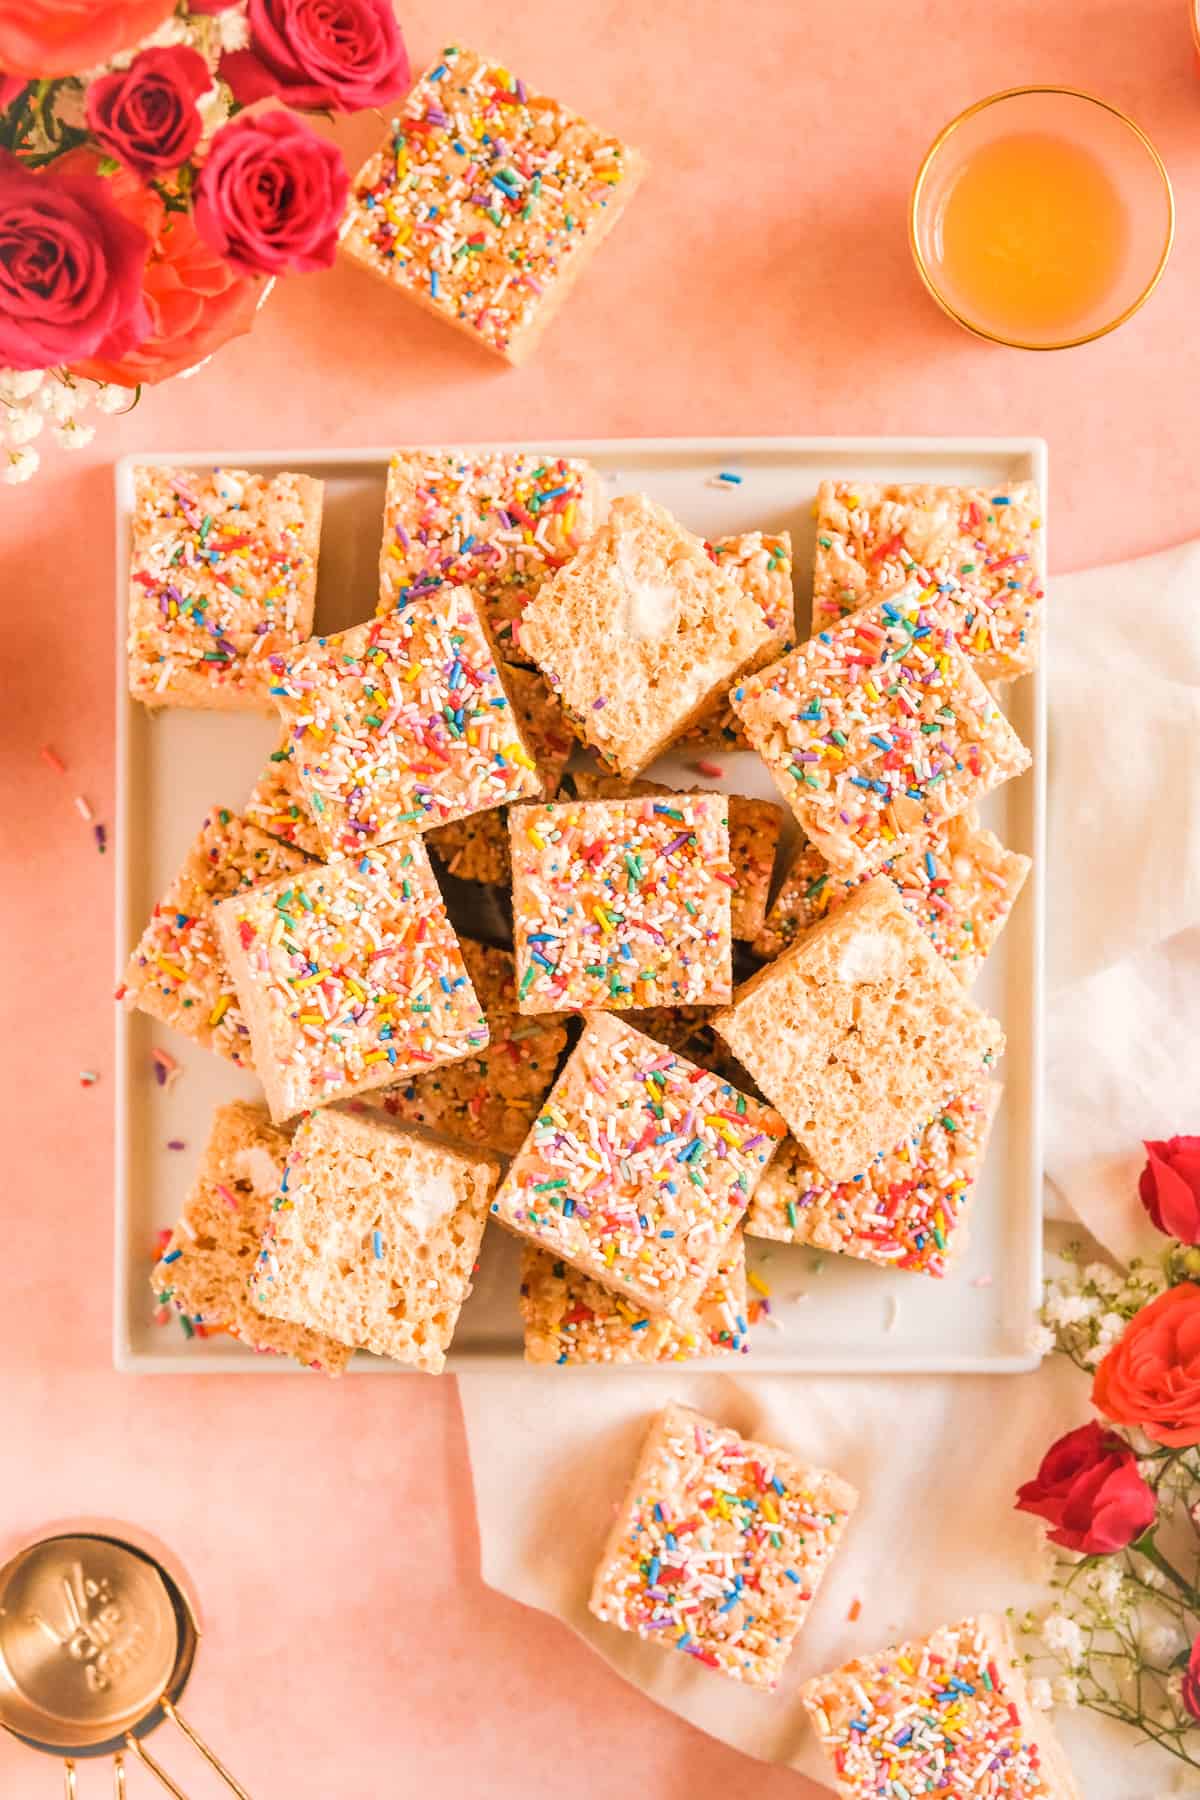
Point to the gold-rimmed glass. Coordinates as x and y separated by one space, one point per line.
1122 150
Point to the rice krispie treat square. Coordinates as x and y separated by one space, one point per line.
499 522
621 903
222 581
642 633
374 1236
878 729
638 1168
570 1318
402 723
763 565
754 830
907 1210
350 976
980 549
490 1100
178 973
277 804
476 849
859 1032
486 201
960 884
206 1267
720 1546
951 1708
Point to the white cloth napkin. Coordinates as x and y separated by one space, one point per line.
937 1461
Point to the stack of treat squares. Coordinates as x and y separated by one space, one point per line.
676 1050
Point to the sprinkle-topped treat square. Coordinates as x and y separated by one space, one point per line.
277 804
950 1709
622 903
981 549
859 1032
960 884
877 730
490 1100
642 633
754 830
178 972
402 723
486 201
205 1269
569 1318
476 848
499 522
763 565
907 1210
638 1168
719 1546
374 1236
222 581
350 976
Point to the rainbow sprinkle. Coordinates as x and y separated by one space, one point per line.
402 723
981 551
947 1715
223 578
484 199
622 903
498 522
638 1168
720 1547
877 729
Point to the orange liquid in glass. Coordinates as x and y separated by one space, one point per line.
1033 235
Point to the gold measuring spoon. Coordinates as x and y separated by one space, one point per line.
97 1641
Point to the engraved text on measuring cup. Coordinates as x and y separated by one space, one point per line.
94 1630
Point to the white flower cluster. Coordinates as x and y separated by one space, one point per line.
1087 1308
31 400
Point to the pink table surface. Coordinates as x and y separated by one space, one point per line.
760 284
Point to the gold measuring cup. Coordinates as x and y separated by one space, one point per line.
97 1641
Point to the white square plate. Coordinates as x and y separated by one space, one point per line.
829 1314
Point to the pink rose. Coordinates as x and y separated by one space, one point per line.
71 269
1089 1492
1169 1187
61 37
1191 1681
146 115
321 54
271 196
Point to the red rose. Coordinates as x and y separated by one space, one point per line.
10 87
61 37
146 115
195 300
1169 1187
1191 1681
338 54
271 195
71 268
1151 1376
1089 1490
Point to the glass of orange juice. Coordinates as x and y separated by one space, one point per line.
1041 217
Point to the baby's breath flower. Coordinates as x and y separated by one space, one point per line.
22 426
19 465
1041 1694
71 435
1064 1636
111 399
19 384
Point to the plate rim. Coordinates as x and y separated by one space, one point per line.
236 1359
